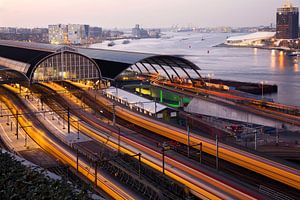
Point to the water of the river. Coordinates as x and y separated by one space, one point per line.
242 64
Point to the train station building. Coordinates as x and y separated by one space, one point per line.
35 62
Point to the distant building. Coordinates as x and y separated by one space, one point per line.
154 33
8 30
138 32
77 34
58 34
24 34
68 34
287 22
95 32
23 31
39 30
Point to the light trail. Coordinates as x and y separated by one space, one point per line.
184 179
68 157
271 169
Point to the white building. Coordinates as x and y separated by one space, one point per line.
253 39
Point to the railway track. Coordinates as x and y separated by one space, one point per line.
56 103
47 141
255 179
93 123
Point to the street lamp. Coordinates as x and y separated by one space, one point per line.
210 76
165 147
78 130
262 88
217 152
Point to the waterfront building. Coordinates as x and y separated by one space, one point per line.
287 22
154 33
138 32
258 39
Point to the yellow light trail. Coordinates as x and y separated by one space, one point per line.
208 179
271 169
66 157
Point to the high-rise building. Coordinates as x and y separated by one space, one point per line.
287 25
68 34
78 33
58 34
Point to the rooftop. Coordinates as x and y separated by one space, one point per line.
135 100
253 36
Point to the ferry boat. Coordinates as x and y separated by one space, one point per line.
295 53
111 44
126 42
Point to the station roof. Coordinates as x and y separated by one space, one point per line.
31 45
112 63
114 56
136 100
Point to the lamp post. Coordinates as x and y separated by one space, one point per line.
77 159
25 138
78 130
114 114
262 89
1 113
209 78
217 152
17 124
119 140
188 139
139 155
165 147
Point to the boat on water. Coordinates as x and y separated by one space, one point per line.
295 53
111 44
125 42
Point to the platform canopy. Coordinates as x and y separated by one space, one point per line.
47 62
8 75
133 100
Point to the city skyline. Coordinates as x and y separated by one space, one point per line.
110 14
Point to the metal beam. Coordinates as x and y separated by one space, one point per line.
183 69
151 66
162 69
170 67
138 68
144 67
184 61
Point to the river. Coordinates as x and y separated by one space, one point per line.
241 64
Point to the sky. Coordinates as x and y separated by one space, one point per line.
148 13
